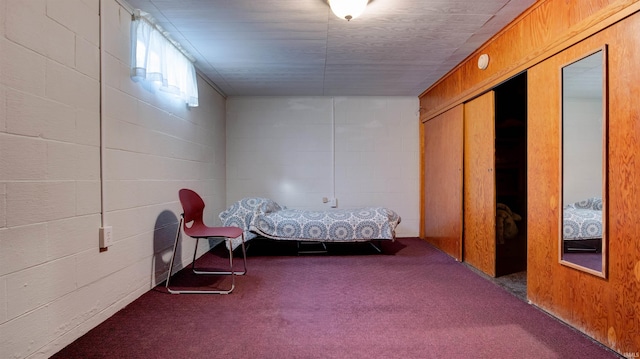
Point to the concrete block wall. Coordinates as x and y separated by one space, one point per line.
55 283
297 150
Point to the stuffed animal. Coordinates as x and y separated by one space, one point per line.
506 227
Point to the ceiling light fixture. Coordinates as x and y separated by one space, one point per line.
348 9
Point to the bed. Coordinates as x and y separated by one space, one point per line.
582 225
264 217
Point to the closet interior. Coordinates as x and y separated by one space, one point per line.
511 175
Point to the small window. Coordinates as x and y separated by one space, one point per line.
158 63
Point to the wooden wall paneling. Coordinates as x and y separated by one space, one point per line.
561 290
443 181
624 185
479 184
543 197
540 32
422 176
606 309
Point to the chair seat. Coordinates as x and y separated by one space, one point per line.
206 232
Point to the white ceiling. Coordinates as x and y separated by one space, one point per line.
298 47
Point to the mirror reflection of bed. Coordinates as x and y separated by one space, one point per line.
582 233
583 161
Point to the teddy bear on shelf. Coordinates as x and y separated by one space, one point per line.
506 227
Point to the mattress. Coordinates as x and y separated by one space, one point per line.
259 216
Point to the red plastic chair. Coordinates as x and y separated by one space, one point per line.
193 207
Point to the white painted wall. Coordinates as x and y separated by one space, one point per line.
281 148
55 284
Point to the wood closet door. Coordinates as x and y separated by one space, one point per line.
443 181
479 184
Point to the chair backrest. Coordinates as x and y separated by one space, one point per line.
193 207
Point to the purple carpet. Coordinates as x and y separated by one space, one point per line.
412 301
589 260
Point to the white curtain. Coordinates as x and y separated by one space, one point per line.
157 63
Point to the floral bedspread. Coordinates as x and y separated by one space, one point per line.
262 216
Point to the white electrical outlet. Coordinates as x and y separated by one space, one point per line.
106 237
334 202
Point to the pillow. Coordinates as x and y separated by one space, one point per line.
268 206
241 213
242 210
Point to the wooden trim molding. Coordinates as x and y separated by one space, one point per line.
542 31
